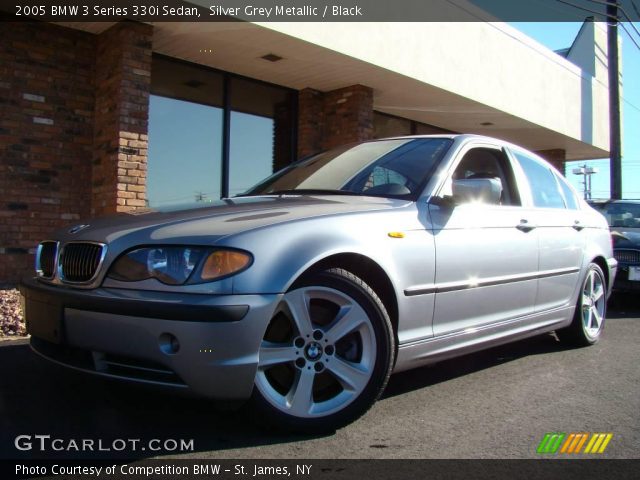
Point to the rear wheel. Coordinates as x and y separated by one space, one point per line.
589 318
326 355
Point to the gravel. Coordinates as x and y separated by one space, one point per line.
11 319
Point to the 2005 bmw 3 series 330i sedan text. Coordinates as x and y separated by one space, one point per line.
303 295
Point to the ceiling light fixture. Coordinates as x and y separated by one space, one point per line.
271 57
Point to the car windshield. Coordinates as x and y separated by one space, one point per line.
396 168
621 214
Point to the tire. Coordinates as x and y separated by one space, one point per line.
326 356
589 317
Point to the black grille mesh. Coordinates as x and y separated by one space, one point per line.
80 261
627 256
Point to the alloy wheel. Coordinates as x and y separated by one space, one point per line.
318 353
593 303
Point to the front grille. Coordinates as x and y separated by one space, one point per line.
79 261
627 256
46 259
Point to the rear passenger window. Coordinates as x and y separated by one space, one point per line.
569 195
544 188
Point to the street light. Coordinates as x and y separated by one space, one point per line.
586 172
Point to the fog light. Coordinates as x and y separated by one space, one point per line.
169 344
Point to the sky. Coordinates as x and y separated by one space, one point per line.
558 35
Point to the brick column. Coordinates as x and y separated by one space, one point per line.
556 157
330 119
123 75
348 116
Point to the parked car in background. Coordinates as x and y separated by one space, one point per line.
623 217
305 294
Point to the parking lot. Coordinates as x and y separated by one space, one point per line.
494 404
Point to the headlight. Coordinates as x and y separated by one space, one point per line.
178 265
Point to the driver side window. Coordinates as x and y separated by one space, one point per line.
490 165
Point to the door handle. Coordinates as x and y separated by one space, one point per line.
577 225
525 226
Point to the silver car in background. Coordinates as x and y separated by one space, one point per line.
305 294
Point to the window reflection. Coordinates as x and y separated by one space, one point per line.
261 128
186 128
185 157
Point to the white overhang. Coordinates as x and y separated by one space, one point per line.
469 77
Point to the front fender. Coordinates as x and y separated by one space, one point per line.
283 252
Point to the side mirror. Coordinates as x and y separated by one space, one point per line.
477 190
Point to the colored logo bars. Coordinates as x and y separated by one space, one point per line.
556 442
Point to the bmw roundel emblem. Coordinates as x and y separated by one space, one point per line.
77 228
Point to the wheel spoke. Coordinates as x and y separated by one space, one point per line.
275 353
349 319
300 398
595 316
586 316
599 293
586 300
350 375
298 304
592 280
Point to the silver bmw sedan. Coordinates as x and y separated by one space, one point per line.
306 293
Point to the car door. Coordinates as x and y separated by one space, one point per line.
560 226
486 254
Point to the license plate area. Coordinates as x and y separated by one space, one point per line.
634 274
43 320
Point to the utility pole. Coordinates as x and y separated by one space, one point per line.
586 172
615 159
201 196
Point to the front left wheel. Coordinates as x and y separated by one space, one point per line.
326 355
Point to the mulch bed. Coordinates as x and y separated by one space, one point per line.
11 319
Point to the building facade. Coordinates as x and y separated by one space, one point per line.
104 118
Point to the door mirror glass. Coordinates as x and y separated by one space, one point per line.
477 190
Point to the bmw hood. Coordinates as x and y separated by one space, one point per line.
218 219
624 239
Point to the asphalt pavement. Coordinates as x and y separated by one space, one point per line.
494 404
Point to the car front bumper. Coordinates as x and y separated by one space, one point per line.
204 344
622 282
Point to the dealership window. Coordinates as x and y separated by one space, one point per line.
213 134
261 120
385 125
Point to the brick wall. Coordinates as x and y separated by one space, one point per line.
73 130
46 136
330 119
